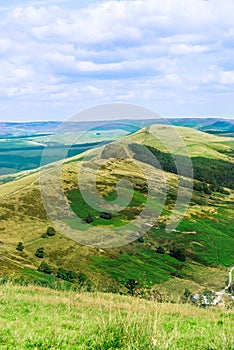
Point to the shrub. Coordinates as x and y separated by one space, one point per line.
84 281
50 231
67 275
82 278
131 285
88 219
44 267
160 250
140 240
178 254
20 246
40 253
106 216
186 296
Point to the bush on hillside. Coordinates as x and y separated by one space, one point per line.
131 285
20 247
67 275
50 231
40 253
178 254
44 267
106 216
88 219
73 277
160 250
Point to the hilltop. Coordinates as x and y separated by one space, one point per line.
205 234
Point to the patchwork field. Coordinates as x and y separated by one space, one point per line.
18 154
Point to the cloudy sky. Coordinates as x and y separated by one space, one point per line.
60 57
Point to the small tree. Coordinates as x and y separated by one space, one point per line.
131 285
106 216
50 231
140 240
178 254
186 296
67 275
44 267
20 246
160 250
88 219
40 253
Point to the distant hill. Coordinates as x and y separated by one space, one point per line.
27 129
220 127
217 125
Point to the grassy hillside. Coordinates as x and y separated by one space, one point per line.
205 234
39 318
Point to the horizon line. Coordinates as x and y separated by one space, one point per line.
106 120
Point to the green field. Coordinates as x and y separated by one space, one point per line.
38 318
25 153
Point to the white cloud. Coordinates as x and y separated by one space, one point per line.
137 51
94 90
227 78
184 49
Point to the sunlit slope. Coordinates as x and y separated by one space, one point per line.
197 143
205 234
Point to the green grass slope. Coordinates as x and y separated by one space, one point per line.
39 318
205 235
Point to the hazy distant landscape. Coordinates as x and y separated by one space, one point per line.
22 144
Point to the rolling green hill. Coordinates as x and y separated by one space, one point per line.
204 238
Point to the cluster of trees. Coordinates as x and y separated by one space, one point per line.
174 252
40 251
89 219
215 172
49 232
44 267
66 275
71 276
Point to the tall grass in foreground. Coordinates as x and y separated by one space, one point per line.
39 318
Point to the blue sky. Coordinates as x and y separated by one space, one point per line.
60 57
